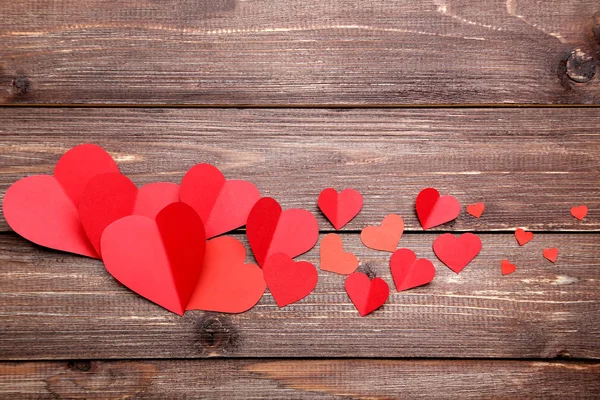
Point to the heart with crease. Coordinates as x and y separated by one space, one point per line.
340 208
434 210
366 295
408 271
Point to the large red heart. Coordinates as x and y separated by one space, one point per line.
340 208
109 197
408 271
160 258
457 252
271 230
289 281
434 210
366 295
222 204
44 208
226 284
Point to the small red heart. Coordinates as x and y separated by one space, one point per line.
44 208
161 258
551 254
366 295
408 271
434 210
386 236
340 208
579 212
222 204
476 209
507 267
271 230
112 196
226 283
457 252
523 237
289 281
334 258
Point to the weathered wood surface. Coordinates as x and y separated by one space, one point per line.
61 306
292 52
529 166
295 379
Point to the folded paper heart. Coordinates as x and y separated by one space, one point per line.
340 208
386 236
523 237
507 267
222 204
334 258
366 295
159 258
579 212
476 209
457 252
551 254
112 196
408 271
434 210
271 230
289 281
44 208
226 283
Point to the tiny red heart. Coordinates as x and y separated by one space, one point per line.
579 212
507 267
366 295
340 208
523 237
551 254
289 281
457 252
408 271
476 209
434 210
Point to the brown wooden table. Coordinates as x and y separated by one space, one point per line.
493 101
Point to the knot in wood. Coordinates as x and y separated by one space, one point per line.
217 334
581 66
21 85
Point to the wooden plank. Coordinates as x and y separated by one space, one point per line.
294 379
60 306
529 166
292 52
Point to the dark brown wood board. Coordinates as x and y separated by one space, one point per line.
529 166
298 52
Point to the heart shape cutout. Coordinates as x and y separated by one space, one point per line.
457 252
476 209
386 236
222 204
271 230
340 208
289 281
408 271
579 212
334 258
226 283
44 208
551 254
434 210
523 237
507 267
366 295
160 258
112 196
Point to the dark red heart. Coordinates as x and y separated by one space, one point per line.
457 252
340 208
366 295
408 271
289 281
434 210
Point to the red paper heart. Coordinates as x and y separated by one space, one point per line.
340 208
523 237
226 284
366 295
507 267
386 236
476 209
434 210
271 230
333 256
44 208
222 204
289 281
457 252
109 197
579 212
161 258
551 254
408 271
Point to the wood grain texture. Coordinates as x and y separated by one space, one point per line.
293 52
297 379
529 166
60 306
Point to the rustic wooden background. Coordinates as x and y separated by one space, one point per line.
493 101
